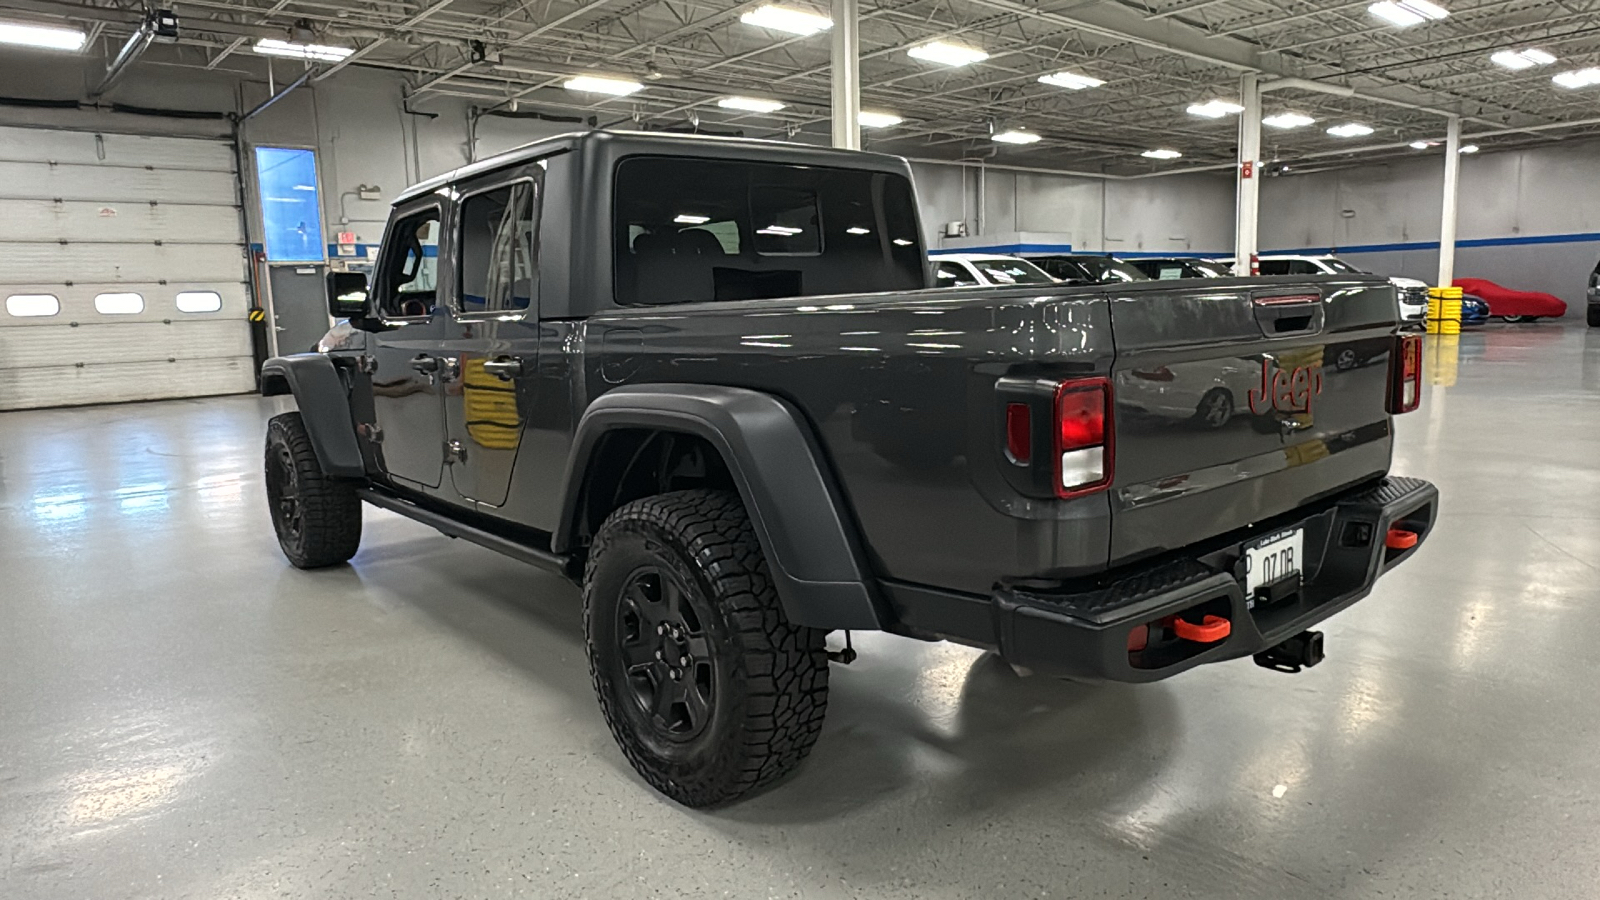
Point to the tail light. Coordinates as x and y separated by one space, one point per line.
1405 375
1084 452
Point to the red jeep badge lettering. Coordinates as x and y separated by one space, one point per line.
1288 391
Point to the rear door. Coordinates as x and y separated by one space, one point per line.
492 350
1238 401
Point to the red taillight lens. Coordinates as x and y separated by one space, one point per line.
1083 445
1019 433
1405 374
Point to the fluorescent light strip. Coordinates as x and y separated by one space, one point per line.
1468 148
947 54
687 219
1161 154
1214 109
1423 145
1350 129
750 104
1070 80
877 119
1013 136
1288 120
316 52
595 84
1521 59
1578 78
792 21
42 36
1405 13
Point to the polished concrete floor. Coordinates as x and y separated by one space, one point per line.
182 715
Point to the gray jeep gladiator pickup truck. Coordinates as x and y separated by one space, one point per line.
708 380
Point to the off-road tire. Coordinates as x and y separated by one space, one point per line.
768 678
317 518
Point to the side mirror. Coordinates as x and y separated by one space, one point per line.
347 295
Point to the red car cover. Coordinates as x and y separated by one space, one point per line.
1503 301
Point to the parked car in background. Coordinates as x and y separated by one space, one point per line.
1594 297
970 269
1084 268
1410 293
1167 268
1474 311
1513 305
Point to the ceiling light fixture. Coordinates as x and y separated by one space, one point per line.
594 84
690 219
947 54
1161 154
1405 13
1288 120
1214 109
1350 129
1578 78
750 104
1423 145
1014 136
1070 80
1469 148
793 21
42 36
877 119
1521 59
293 50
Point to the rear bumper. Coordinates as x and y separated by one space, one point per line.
1062 631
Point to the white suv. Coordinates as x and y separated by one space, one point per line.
968 269
1411 293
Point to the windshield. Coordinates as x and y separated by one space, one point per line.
1341 267
1210 269
1111 271
1011 271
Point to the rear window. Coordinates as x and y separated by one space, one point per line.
695 230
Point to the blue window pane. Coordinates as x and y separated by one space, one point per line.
289 206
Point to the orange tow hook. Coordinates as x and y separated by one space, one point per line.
1400 539
1210 630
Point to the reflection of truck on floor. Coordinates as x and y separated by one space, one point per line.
727 402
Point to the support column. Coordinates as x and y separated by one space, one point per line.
846 74
1447 221
1248 175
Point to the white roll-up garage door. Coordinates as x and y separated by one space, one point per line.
122 269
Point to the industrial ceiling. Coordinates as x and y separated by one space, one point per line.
1155 59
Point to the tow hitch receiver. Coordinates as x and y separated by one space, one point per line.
1302 651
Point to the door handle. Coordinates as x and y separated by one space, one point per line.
427 365
504 368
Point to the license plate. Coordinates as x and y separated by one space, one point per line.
1273 558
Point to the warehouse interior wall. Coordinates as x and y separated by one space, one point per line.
1528 219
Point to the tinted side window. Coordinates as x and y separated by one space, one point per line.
1275 267
499 233
693 230
408 281
949 274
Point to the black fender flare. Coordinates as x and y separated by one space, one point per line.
813 551
324 403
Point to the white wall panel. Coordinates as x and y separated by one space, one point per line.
160 302
106 343
42 181
120 263
81 221
70 385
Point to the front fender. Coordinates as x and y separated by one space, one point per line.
812 549
324 403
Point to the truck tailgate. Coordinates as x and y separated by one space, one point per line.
1241 399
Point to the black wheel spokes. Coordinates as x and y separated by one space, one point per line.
665 654
286 491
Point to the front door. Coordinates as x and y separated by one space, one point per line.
408 367
493 350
